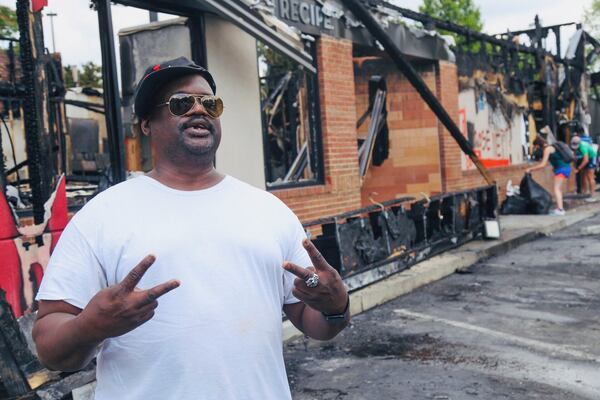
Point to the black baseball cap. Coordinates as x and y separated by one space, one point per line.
157 75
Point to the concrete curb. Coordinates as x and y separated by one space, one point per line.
445 264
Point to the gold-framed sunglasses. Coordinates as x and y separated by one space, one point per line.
181 103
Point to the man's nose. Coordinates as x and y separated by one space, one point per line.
197 108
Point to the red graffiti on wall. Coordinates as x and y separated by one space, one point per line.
25 250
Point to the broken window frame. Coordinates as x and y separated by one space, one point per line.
314 145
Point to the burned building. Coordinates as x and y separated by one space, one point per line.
317 112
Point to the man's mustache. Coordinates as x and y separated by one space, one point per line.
194 121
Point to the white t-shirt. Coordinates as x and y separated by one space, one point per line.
219 335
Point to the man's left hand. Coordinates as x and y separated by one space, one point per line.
330 295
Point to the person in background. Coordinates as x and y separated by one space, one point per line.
581 161
586 163
562 171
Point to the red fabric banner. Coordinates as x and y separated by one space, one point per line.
37 5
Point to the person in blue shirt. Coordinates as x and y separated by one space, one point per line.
586 163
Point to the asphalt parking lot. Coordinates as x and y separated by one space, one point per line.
523 325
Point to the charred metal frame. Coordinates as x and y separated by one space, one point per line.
539 32
431 22
33 101
112 98
503 48
377 129
371 243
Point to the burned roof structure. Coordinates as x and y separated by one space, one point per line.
332 17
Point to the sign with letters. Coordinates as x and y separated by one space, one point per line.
304 14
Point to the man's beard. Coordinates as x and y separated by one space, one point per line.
187 150
196 145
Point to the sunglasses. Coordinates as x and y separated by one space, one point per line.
180 104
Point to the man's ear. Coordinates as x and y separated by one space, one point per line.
145 126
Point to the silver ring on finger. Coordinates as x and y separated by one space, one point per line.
312 281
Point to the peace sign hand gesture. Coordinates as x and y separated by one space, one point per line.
329 296
123 307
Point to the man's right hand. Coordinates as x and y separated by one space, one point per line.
123 307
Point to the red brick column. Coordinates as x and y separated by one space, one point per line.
450 153
341 191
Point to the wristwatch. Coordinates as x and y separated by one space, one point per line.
338 319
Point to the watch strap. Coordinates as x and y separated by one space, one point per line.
338 318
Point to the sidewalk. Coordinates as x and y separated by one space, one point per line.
516 230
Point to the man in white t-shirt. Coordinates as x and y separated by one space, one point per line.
176 280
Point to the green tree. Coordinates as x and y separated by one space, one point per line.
591 20
461 12
90 75
8 22
68 76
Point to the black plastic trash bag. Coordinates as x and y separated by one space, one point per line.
514 205
538 199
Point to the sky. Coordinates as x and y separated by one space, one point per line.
76 26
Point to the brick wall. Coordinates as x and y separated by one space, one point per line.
453 177
341 191
423 155
413 165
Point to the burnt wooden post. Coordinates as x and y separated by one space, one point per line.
12 352
112 98
20 370
35 106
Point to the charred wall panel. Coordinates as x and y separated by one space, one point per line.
368 245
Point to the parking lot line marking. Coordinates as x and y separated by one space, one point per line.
538 270
535 344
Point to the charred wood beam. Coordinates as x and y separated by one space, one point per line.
532 30
461 30
299 164
197 27
594 53
13 380
280 87
94 107
63 388
366 17
112 99
11 62
33 107
9 91
16 167
365 152
17 363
